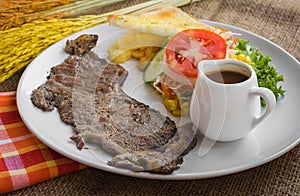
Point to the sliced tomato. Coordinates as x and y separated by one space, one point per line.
187 48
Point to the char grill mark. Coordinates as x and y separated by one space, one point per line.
86 90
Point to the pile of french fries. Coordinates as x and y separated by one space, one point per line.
144 55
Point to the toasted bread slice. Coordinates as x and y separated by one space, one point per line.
166 21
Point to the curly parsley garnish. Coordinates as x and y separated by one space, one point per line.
267 75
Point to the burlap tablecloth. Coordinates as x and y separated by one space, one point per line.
278 21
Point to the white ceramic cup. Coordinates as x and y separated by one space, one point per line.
228 112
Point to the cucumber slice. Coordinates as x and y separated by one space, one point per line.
155 67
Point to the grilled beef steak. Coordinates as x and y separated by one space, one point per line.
81 44
86 90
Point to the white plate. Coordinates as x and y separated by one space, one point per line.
277 135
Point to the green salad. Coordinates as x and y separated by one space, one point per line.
267 75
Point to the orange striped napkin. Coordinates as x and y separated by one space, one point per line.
24 160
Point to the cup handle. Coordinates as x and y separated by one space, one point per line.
270 100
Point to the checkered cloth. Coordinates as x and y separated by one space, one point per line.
24 160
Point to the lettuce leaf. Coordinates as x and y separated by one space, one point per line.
267 74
